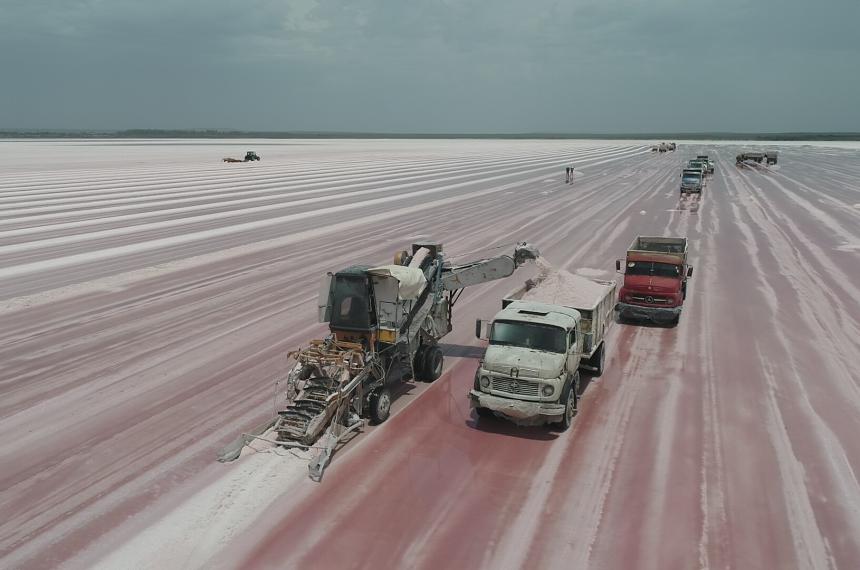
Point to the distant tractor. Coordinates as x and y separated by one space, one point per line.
250 156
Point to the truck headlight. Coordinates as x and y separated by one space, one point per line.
485 381
547 390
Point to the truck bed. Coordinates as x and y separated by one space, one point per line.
659 244
594 299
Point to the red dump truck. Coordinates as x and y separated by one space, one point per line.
655 280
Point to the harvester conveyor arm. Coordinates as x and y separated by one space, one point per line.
486 270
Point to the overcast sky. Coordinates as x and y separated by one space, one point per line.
432 65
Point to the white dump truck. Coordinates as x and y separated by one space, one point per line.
537 345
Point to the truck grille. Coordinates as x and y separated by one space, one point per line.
649 299
516 386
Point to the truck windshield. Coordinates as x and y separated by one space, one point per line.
653 268
529 335
691 179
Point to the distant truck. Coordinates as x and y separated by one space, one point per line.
701 164
655 280
530 372
707 162
768 157
692 180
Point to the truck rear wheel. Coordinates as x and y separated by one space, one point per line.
380 405
431 364
598 359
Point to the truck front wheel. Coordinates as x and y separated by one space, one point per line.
484 412
571 403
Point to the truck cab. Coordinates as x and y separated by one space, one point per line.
530 370
655 279
701 164
692 180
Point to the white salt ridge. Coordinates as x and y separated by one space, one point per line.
197 528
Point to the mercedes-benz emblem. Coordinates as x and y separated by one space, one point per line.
649 299
515 386
515 372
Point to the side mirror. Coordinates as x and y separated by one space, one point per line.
690 271
482 329
617 265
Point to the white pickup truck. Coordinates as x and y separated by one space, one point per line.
537 345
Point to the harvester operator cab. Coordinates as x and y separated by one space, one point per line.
351 307
371 305
346 303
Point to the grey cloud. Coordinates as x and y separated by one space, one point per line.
443 65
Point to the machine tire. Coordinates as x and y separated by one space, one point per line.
431 364
598 359
380 405
418 362
571 400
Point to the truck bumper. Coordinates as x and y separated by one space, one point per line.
518 411
653 314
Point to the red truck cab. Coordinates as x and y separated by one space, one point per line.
655 280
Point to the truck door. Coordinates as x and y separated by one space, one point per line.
573 350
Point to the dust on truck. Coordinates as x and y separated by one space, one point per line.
655 279
530 371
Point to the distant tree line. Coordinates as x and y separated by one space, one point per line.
232 134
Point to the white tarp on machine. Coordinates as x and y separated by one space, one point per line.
411 279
